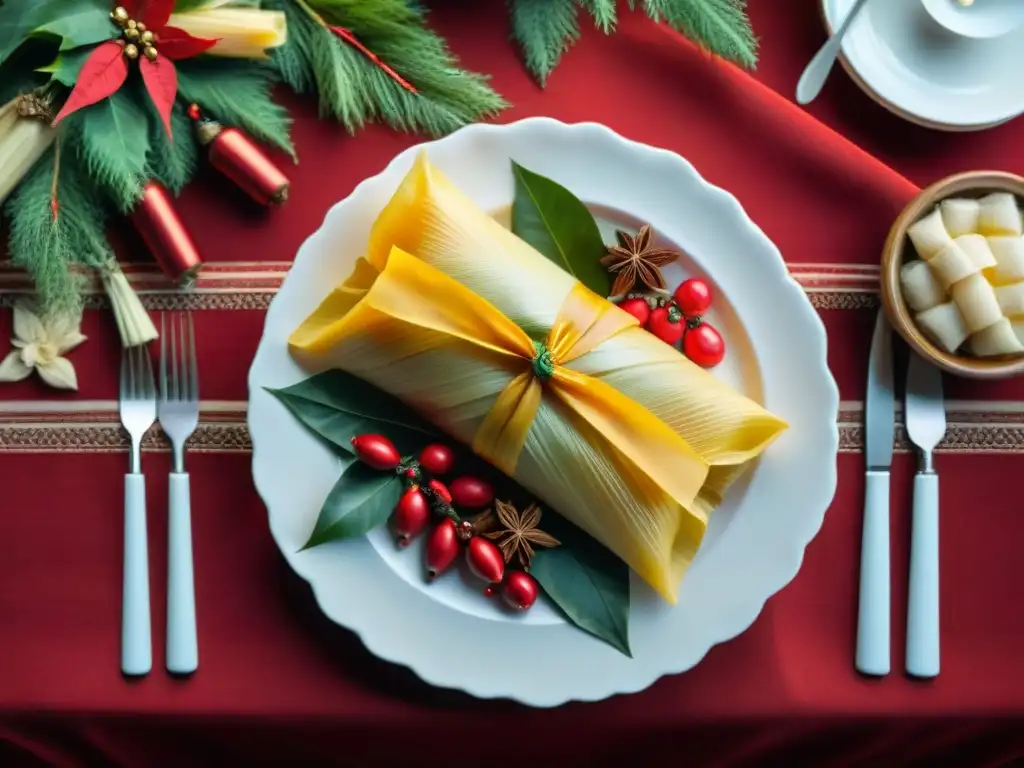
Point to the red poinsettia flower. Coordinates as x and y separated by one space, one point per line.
145 37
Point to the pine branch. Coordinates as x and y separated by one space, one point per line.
112 141
720 26
545 29
172 163
46 246
355 90
603 12
237 93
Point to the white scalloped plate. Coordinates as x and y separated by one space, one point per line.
755 543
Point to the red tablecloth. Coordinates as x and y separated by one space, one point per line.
279 683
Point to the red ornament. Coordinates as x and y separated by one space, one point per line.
442 548
638 308
666 323
376 451
693 297
703 345
165 235
472 492
440 490
438 459
411 516
239 158
485 560
519 590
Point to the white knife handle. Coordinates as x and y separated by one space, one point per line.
182 645
136 644
873 611
923 601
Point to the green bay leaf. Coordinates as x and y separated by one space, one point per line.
362 499
337 406
76 22
587 582
65 68
555 222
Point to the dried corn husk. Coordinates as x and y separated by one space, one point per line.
241 33
133 321
25 134
628 439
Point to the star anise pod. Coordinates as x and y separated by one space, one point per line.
634 260
520 532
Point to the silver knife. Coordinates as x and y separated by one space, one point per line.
926 426
879 417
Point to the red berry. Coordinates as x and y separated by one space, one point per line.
441 491
519 590
485 560
693 297
438 459
412 513
638 308
704 345
376 451
442 548
666 324
472 492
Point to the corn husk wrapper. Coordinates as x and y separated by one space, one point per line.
23 140
622 413
241 33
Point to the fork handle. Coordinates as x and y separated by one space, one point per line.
923 600
136 643
182 644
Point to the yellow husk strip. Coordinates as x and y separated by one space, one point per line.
572 468
244 33
23 140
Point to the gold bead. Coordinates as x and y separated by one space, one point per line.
131 51
131 24
119 15
150 52
147 37
131 34
141 27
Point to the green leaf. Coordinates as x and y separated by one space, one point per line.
113 141
77 22
337 406
588 583
720 26
555 222
544 29
17 19
362 499
65 68
237 93
603 12
173 163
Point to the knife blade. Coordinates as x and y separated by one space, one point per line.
925 414
872 656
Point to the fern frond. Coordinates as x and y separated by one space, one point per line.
719 26
603 13
172 162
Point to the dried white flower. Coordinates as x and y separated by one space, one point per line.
39 344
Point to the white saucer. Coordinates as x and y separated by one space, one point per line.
910 64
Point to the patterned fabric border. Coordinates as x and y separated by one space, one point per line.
973 428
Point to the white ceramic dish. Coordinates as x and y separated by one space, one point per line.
754 546
980 19
917 68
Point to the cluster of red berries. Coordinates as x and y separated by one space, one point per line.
422 502
681 318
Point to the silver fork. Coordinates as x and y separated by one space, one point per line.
138 412
179 415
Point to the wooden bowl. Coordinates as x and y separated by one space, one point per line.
899 249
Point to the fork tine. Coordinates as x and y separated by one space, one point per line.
193 364
125 374
149 387
133 374
163 356
174 361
